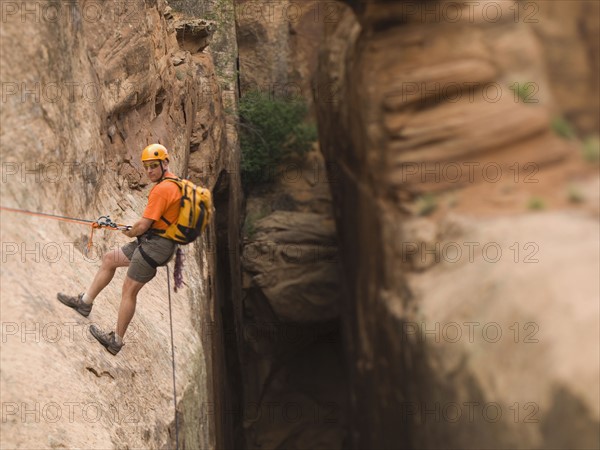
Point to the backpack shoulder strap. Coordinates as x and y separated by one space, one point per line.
177 181
173 179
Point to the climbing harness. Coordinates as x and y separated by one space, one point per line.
173 362
102 222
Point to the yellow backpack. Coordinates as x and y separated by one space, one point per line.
196 209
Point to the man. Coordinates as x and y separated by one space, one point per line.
141 256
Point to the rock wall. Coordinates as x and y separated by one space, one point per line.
293 376
569 33
415 110
278 46
85 87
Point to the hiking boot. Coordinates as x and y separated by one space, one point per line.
106 339
76 303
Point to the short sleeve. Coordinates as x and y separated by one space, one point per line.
156 207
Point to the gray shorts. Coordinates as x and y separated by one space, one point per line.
159 249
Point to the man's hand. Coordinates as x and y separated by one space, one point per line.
139 228
129 232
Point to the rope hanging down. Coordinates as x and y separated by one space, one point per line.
101 222
173 361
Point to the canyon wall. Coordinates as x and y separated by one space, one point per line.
293 377
86 86
421 100
425 277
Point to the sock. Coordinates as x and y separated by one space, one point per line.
87 299
118 339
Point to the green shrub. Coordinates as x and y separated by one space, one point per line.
591 149
426 204
250 226
575 195
189 7
525 92
270 130
219 11
251 219
536 204
563 128
452 200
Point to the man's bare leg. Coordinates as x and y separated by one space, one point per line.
127 307
110 262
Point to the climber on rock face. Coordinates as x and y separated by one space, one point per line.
142 256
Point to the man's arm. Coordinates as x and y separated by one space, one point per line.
139 228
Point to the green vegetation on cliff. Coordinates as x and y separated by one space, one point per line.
270 130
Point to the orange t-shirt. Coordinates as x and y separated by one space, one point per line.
163 200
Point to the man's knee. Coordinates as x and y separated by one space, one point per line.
131 286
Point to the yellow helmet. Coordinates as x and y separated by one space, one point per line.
155 151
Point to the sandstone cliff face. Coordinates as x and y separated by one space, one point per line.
445 344
413 106
278 45
87 86
293 376
570 35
